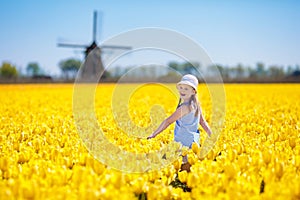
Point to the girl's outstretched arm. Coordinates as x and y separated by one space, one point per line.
180 112
204 124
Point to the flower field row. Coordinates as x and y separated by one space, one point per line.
257 155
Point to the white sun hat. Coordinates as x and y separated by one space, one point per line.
190 80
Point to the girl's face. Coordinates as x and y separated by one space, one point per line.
185 91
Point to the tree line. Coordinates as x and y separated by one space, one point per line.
70 67
241 71
259 71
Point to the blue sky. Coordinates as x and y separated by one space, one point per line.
230 31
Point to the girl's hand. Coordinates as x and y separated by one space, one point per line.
151 136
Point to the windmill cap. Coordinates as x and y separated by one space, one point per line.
190 80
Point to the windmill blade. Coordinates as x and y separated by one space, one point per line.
95 26
115 47
78 52
72 45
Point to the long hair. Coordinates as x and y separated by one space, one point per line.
193 104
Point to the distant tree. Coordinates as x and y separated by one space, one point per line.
8 70
232 72
174 65
240 70
289 70
260 69
251 72
185 67
117 71
296 71
70 67
275 71
220 68
33 69
224 71
190 67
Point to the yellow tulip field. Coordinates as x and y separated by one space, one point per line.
42 156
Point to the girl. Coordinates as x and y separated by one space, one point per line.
187 115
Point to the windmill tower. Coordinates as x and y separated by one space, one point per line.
93 65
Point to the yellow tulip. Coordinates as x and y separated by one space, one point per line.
243 161
192 159
269 176
240 148
4 163
16 145
182 176
211 155
292 142
230 170
267 156
195 148
23 157
276 137
279 169
297 161
153 192
42 155
192 180
177 164
232 154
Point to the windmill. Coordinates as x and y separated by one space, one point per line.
93 65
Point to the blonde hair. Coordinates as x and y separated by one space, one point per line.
193 103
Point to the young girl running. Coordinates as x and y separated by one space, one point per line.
187 115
